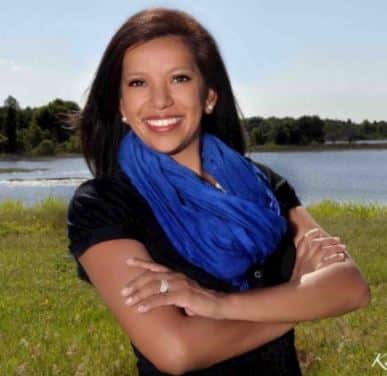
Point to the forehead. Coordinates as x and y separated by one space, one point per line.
160 53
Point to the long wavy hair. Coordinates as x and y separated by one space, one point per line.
100 125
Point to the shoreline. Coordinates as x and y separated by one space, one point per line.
307 148
255 149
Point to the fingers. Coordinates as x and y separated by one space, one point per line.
320 241
314 239
176 298
141 290
189 312
139 294
143 279
333 248
331 259
147 265
316 249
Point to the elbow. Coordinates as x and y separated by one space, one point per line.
174 367
364 296
357 290
184 360
171 364
172 360
361 295
182 364
177 366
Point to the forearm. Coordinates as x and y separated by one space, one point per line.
331 291
208 341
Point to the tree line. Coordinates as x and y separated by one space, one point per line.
46 130
43 130
307 130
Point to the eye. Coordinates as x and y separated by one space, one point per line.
178 78
135 83
182 78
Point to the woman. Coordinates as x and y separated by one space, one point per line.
218 243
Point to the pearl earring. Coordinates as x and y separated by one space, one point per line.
209 108
124 119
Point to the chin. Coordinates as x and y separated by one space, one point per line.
167 148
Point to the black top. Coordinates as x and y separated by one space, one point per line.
112 208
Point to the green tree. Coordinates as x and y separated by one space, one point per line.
310 128
46 147
53 117
32 136
281 134
11 123
3 142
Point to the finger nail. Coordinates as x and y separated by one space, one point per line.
129 300
126 291
142 308
130 260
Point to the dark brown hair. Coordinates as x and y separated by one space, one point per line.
101 128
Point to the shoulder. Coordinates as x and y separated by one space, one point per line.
274 179
99 197
101 209
283 190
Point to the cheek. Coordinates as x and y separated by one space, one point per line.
131 103
193 101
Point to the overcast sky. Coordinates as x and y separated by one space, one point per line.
284 58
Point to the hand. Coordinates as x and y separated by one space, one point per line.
315 250
183 292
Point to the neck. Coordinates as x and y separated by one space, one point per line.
190 158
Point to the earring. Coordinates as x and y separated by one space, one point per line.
209 108
124 119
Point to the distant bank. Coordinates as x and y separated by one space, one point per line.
360 145
336 146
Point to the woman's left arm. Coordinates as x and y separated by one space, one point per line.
330 291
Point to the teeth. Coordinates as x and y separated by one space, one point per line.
162 122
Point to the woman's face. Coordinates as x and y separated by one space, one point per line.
163 96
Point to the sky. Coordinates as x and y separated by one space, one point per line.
284 58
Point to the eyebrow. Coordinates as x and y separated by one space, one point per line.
185 67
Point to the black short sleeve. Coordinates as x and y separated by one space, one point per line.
283 191
97 212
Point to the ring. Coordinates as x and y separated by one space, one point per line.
164 286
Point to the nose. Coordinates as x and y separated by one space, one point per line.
161 97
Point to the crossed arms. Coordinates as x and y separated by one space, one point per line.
185 343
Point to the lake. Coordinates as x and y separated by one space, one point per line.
349 175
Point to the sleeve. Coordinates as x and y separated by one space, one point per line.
97 213
279 265
282 189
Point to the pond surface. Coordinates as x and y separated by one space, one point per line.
348 175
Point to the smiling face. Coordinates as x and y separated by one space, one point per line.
163 97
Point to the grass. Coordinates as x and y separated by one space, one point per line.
53 324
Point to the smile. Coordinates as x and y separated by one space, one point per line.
163 125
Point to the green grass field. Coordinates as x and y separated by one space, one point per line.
51 323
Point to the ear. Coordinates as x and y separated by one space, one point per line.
210 103
122 107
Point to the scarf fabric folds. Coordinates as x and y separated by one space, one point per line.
224 233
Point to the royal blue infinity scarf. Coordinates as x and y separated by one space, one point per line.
223 233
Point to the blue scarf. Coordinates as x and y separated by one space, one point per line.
224 233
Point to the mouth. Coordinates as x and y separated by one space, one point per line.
163 125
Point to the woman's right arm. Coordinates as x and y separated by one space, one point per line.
173 342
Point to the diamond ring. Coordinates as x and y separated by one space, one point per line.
164 286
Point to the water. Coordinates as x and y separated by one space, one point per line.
358 176
55 177
350 175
